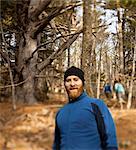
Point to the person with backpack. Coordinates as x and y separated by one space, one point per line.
120 92
84 123
108 90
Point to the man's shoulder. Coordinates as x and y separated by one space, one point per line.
95 100
99 102
62 108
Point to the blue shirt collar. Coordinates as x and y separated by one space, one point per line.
79 98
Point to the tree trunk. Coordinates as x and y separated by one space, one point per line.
27 69
132 76
93 56
87 44
99 75
120 37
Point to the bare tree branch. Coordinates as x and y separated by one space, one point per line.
57 53
69 7
17 84
55 12
46 21
37 6
46 43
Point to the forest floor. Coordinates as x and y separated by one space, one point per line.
32 127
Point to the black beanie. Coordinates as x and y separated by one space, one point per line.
74 71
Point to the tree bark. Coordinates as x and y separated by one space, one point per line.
27 69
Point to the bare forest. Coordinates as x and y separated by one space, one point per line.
39 40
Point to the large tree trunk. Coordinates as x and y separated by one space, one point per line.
30 25
27 70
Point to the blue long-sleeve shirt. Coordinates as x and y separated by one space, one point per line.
76 126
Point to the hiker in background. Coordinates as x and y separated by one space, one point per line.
84 123
107 90
120 92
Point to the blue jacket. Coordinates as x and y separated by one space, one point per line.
107 88
76 127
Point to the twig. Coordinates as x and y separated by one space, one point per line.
8 86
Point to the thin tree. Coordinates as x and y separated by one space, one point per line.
87 43
99 73
120 37
132 75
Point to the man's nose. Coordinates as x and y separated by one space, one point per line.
72 83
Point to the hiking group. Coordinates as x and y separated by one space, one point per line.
117 91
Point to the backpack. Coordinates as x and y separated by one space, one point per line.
100 125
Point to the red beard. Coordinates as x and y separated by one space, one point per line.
74 93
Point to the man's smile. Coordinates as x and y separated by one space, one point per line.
73 89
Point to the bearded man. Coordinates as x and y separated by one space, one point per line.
84 123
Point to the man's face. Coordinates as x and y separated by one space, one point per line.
74 86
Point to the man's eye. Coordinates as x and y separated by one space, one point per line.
75 79
68 80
